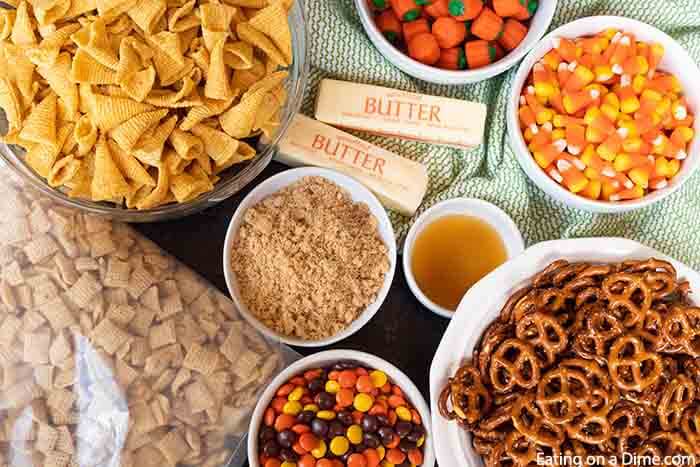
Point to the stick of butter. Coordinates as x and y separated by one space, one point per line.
390 112
399 183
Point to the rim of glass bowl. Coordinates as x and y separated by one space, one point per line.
230 183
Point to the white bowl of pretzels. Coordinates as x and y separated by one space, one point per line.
578 350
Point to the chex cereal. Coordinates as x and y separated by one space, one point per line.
91 302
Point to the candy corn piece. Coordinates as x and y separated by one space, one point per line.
566 48
593 189
543 82
655 53
580 77
579 100
549 153
573 178
635 192
575 138
658 183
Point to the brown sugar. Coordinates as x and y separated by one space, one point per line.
308 260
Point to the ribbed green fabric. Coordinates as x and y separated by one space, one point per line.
339 48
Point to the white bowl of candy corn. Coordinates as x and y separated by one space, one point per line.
603 119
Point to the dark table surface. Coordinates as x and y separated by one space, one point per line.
402 332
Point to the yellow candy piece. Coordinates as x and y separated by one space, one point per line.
609 189
558 133
610 111
292 408
420 441
386 463
612 99
403 413
639 176
320 450
363 402
610 33
651 94
593 135
629 105
623 162
311 408
339 445
326 414
639 82
603 73
378 378
674 166
544 90
592 113
296 394
332 387
662 167
544 116
591 174
354 434
541 159
288 464
381 450
629 124
664 106
593 189
632 144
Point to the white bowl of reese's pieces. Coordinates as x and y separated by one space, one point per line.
322 279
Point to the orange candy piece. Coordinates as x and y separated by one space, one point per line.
308 441
307 460
449 32
395 456
364 384
284 422
347 379
345 397
372 457
357 460
424 48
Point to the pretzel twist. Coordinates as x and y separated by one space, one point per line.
626 362
544 333
528 420
521 369
622 291
560 394
675 398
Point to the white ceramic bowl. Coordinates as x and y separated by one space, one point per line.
327 358
539 24
483 303
676 60
494 216
359 194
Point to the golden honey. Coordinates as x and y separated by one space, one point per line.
451 254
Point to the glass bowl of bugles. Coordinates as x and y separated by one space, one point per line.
146 111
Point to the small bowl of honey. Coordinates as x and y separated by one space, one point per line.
452 246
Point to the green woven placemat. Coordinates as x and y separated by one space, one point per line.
339 48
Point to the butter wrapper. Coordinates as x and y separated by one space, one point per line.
398 183
391 112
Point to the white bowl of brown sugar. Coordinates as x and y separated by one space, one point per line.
309 256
